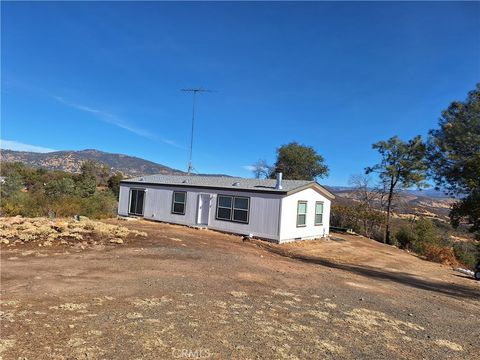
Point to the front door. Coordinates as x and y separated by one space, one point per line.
203 209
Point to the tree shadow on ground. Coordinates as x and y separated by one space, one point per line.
455 290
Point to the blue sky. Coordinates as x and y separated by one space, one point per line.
335 76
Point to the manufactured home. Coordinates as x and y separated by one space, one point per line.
277 210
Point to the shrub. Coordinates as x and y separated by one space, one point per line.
406 238
33 193
425 230
468 253
443 255
361 219
102 204
65 206
114 183
60 187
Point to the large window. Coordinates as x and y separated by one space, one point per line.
137 198
319 213
233 208
178 202
302 213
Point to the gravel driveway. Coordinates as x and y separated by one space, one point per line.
185 293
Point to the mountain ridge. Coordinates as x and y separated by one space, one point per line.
412 202
71 161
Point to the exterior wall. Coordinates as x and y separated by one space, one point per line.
123 200
288 228
263 216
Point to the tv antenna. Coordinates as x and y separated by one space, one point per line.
194 92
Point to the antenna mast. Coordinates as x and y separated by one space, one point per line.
194 92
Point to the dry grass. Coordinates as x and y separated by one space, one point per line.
48 232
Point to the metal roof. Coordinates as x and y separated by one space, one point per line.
225 182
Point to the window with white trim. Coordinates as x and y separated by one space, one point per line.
319 213
302 213
233 208
179 200
137 198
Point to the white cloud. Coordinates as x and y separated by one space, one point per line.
18 146
115 120
248 167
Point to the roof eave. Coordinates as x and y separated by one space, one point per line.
145 183
313 185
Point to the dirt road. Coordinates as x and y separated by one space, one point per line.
186 293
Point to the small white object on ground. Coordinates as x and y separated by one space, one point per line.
465 271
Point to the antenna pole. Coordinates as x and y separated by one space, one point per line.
194 92
190 167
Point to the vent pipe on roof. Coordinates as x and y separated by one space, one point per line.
278 186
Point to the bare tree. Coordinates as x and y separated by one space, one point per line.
367 194
370 202
261 169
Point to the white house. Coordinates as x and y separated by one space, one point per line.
276 210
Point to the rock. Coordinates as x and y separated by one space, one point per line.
410 314
5 241
14 220
71 326
362 299
116 241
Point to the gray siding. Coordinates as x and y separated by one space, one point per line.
263 219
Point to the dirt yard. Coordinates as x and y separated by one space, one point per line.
185 293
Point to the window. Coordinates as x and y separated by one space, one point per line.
178 202
137 197
319 213
240 209
302 213
233 208
224 207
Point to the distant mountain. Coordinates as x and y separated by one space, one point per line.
429 203
430 193
71 161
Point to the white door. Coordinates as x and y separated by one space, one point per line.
203 209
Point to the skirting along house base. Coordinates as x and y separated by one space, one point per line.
276 210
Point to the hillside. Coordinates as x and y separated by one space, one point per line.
426 203
71 161
429 204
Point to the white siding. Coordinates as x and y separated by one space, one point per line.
263 217
288 228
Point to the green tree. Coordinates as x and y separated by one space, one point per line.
300 162
454 158
85 186
86 182
402 166
60 187
417 234
12 183
114 183
92 168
